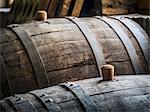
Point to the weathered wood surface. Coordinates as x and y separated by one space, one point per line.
113 7
64 52
125 94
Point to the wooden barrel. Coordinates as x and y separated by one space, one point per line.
144 6
39 54
125 94
113 7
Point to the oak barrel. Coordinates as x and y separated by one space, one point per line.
39 54
125 94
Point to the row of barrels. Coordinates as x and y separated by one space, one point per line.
109 7
25 10
45 53
125 94
94 7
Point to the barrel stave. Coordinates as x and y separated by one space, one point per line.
113 52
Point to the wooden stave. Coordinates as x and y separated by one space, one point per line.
126 93
29 76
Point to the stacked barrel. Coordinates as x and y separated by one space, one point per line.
71 62
125 94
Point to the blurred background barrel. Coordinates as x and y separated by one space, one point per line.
39 54
144 6
115 7
125 94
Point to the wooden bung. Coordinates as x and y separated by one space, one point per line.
108 72
41 15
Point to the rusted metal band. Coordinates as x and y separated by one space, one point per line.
126 42
48 103
93 43
84 99
4 77
139 34
21 104
35 58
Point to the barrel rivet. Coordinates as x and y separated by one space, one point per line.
18 98
14 95
71 84
50 100
43 95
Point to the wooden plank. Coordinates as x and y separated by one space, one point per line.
77 8
65 8
52 8
44 4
